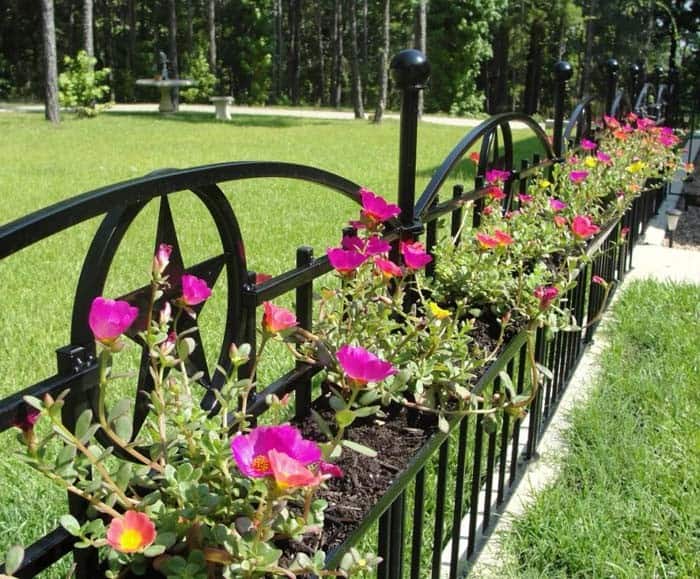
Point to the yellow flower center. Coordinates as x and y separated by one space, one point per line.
590 162
131 540
261 464
438 312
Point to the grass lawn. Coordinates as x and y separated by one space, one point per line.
42 165
627 502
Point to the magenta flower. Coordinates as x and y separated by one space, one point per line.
162 258
587 145
611 122
486 241
373 245
599 280
388 268
375 209
546 295
502 237
328 470
345 261
26 423
524 198
251 451
643 124
668 140
194 290
497 176
277 319
362 366
582 227
109 319
414 255
556 204
603 157
578 176
624 232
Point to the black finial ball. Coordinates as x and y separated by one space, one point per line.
635 69
612 65
563 71
410 69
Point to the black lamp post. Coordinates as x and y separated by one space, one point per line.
672 217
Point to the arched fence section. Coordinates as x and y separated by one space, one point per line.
471 469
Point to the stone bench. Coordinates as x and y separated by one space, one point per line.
221 104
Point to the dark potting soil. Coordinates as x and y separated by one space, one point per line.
365 479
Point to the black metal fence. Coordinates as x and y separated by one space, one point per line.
471 470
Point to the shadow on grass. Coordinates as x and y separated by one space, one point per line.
236 120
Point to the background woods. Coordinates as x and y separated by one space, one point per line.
486 54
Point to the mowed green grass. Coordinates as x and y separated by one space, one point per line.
627 501
41 165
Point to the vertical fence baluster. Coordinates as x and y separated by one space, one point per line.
304 312
418 511
476 482
490 467
562 73
503 455
440 508
396 536
612 67
515 454
459 497
456 220
478 206
431 240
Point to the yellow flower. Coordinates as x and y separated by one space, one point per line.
590 162
543 184
635 167
437 311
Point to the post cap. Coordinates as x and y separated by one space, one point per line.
563 71
635 69
612 65
658 70
410 69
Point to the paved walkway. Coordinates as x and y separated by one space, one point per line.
261 111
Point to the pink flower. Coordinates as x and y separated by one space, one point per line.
546 295
644 124
373 245
262 278
603 158
488 210
328 470
345 261
289 473
624 231
611 122
474 156
524 198
502 238
556 205
388 268
131 533
631 117
486 241
495 192
167 346
497 176
109 319
668 140
26 423
578 176
162 258
276 319
375 209
362 366
252 451
414 255
573 160
559 221
582 227
599 280
194 290
587 145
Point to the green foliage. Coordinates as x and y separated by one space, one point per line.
199 71
81 86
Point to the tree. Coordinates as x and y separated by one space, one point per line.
88 37
173 51
422 39
357 104
337 81
211 33
51 68
384 65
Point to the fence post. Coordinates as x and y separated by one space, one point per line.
410 71
562 73
636 86
612 67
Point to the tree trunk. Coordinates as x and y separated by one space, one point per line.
534 68
131 48
278 49
383 65
211 29
356 78
337 90
88 37
173 52
588 54
190 30
294 61
422 40
498 83
320 86
50 66
109 47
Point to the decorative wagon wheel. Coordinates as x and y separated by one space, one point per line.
231 260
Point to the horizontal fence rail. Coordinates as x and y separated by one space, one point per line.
472 467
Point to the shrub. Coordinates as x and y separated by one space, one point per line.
199 71
81 86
